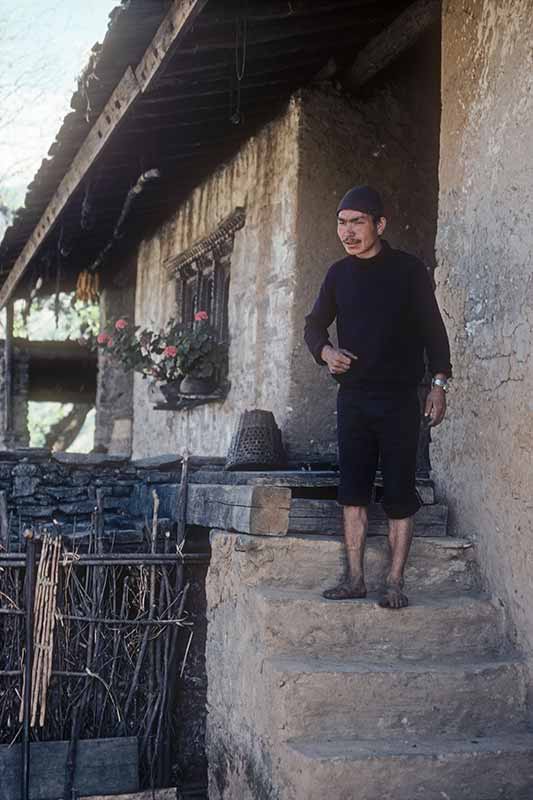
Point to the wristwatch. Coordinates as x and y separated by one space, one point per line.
443 383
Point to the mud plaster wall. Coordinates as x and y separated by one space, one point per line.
389 139
483 458
262 177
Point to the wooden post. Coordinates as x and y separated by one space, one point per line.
29 590
8 376
4 522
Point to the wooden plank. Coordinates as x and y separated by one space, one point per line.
174 26
394 40
294 478
426 492
103 765
149 794
312 479
325 516
258 510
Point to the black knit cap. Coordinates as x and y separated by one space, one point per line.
362 198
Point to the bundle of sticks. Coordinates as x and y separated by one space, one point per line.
111 640
43 627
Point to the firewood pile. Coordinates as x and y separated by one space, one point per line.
110 640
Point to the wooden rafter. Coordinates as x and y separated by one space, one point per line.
390 43
134 83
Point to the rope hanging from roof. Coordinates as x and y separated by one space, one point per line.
214 242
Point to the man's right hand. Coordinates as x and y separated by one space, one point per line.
338 361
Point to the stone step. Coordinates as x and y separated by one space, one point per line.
491 768
331 696
299 621
315 562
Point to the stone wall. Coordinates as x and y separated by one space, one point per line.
484 455
263 179
388 138
40 486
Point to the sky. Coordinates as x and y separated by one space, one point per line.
44 45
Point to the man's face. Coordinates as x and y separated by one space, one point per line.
359 233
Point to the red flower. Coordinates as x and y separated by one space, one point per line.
110 342
102 338
120 324
201 315
170 351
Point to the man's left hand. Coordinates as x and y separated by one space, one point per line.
436 405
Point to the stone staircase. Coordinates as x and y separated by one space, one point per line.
347 701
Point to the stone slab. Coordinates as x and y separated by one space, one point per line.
90 459
451 697
466 625
412 769
312 561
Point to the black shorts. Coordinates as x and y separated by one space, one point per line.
370 424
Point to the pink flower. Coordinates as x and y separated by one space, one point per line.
120 324
170 351
110 342
201 315
102 338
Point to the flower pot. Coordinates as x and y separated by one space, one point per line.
192 385
172 390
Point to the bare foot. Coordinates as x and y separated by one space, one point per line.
346 590
393 597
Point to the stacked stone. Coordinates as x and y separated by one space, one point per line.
41 487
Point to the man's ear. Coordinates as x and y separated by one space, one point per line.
382 224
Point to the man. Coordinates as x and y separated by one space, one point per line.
387 316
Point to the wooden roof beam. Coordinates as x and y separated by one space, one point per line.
278 10
134 83
391 42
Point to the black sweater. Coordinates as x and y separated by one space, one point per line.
386 315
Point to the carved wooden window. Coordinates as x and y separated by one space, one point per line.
203 275
203 285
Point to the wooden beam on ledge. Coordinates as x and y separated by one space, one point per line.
257 510
392 42
132 85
